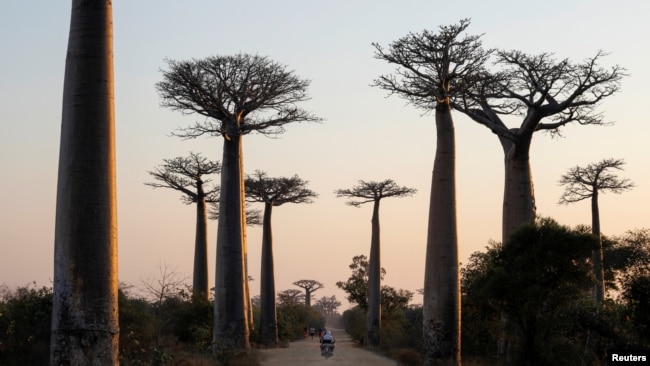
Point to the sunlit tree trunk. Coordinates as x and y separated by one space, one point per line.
441 280
268 320
597 254
200 277
230 304
373 325
85 327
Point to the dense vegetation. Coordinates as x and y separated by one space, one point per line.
541 282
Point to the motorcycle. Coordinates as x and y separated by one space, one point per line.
327 350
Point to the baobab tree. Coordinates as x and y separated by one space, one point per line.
188 176
588 182
291 296
433 70
547 95
237 95
272 192
310 286
85 328
365 192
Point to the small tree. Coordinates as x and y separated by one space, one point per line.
272 192
310 286
188 176
357 284
374 192
238 95
583 183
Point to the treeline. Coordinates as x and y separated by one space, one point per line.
168 329
542 284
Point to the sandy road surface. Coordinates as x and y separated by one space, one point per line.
307 352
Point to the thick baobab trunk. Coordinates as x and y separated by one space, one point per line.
441 328
519 196
85 327
200 276
230 303
597 254
373 325
268 320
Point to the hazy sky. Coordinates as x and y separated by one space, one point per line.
365 135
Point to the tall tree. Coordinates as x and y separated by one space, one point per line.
188 176
537 88
272 192
588 182
85 327
310 286
374 192
238 95
433 69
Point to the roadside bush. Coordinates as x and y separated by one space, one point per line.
25 321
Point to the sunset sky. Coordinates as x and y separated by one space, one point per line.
365 134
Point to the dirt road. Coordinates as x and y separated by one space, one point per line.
306 352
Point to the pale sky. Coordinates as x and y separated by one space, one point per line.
365 135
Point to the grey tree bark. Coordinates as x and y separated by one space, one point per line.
441 327
85 328
230 303
373 323
268 319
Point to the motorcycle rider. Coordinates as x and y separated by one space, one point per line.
325 340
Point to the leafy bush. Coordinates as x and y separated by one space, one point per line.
25 321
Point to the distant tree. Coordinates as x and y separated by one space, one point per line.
583 183
374 192
188 176
547 95
328 305
85 329
310 286
291 297
238 95
433 70
272 192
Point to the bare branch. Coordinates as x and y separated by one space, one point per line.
187 175
585 182
237 94
372 191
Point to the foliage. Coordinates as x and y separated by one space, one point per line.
293 318
25 318
357 285
540 282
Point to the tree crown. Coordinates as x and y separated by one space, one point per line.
277 191
238 94
188 175
372 191
585 182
